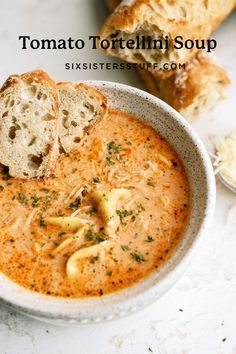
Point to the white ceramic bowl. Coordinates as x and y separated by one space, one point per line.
196 161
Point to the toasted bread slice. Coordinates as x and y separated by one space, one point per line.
80 106
29 124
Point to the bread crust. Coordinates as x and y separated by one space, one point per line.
38 76
184 88
97 94
190 19
83 123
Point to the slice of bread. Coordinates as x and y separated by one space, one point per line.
80 107
29 124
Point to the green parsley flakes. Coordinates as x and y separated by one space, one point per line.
149 239
137 257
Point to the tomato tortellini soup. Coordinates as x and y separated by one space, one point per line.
111 214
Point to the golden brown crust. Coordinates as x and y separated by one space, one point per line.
190 19
184 87
94 92
39 76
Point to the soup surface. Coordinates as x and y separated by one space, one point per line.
128 195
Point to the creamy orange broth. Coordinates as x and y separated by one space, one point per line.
118 152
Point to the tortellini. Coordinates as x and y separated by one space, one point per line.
106 202
67 242
72 269
68 223
163 159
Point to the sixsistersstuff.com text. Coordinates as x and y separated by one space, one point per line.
123 66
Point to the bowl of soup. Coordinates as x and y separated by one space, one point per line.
116 224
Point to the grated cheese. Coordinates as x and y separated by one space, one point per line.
81 210
70 195
153 166
225 160
165 200
29 219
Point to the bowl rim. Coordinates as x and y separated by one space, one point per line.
51 314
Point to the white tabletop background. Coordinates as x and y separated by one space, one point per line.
198 315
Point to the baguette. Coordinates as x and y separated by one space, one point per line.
191 19
80 107
192 91
29 124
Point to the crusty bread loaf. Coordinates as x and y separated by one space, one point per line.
191 91
29 124
191 19
80 106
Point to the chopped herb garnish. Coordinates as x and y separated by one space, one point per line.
42 223
128 143
94 259
112 147
150 183
89 236
149 238
75 204
224 339
22 198
109 161
100 238
138 257
140 208
96 180
84 191
1 188
74 170
35 201
124 247
109 273
93 236
91 211
123 214
46 190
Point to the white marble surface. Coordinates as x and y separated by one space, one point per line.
198 316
